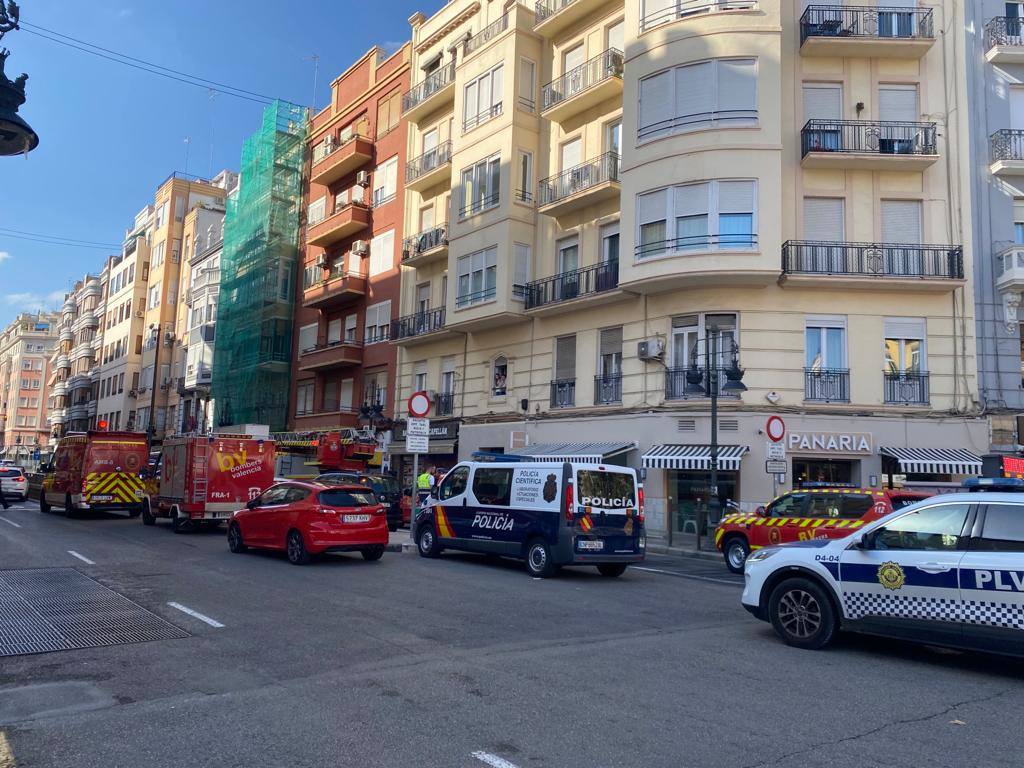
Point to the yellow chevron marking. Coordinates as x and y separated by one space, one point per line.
804 523
818 522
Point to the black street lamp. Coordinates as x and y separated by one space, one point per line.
16 136
706 382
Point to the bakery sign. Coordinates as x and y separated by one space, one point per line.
829 442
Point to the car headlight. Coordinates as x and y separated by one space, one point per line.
761 554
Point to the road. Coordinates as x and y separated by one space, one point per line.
464 662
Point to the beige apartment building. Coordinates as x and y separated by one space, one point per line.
637 193
26 346
73 385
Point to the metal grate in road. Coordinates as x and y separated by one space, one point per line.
60 609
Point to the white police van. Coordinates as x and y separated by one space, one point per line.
549 514
948 570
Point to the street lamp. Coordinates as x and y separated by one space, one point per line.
706 383
16 136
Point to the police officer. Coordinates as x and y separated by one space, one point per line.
424 484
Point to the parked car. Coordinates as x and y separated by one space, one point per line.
14 483
384 488
307 518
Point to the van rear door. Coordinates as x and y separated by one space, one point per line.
111 468
607 510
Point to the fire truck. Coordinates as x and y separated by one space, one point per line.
313 453
204 479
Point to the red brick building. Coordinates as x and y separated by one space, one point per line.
353 247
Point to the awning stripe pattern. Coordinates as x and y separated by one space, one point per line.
585 453
939 461
671 456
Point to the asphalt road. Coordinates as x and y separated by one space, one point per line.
464 662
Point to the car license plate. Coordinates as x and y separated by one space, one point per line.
590 545
355 518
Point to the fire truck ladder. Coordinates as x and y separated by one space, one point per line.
200 463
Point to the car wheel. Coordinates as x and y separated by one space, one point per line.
802 614
538 559
296 547
147 514
179 522
426 541
373 553
612 570
44 507
735 550
235 542
69 506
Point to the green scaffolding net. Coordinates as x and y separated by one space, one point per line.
252 351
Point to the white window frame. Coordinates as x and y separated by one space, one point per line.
477 111
385 181
382 252
378 323
482 263
307 333
823 323
492 187
527 86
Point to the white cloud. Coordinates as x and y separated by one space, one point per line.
32 302
4 256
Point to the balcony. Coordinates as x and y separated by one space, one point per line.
59 388
335 354
435 91
872 266
552 16
677 379
344 222
66 334
587 184
905 387
1006 152
92 288
484 116
863 145
681 9
83 350
826 385
866 32
444 405
1009 270
58 416
563 393
484 36
432 167
421 326
340 160
567 291
61 361
427 246
594 82
1004 40
78 412
608 389
338 289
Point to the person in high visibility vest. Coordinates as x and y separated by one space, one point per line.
424 484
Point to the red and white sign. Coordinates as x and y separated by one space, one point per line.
775 429
419 404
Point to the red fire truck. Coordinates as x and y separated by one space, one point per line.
204 479
349 450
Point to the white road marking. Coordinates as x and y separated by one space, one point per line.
196 614
6 755
84 559
687 575
11 522
493 760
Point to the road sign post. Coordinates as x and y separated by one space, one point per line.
417 441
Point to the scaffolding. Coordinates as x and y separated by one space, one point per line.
252 351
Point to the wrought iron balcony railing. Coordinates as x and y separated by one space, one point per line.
866 21
878 137
809 257
489 113
1004 30
579 79
563 393
479 205
445 404
906 387
1006 144
485 35
433 83
417 324
566 286
424 241
608 389
827 385
579 179
429 161
677 379
476 297
724 242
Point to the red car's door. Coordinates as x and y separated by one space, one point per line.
255 522
286 515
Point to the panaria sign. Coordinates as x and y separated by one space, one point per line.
830 442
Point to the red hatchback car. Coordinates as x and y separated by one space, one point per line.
306 519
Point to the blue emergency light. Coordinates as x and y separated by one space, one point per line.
1000 484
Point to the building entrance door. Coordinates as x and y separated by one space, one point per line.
821 471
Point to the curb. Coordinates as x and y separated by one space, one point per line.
394 547
660 549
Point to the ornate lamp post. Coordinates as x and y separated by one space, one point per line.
16 136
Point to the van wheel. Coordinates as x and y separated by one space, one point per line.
147 514
538 559
612 570
135 511
802 614
235 542
44 507
426 541
179 523
69 506
296 547
735 550
373 553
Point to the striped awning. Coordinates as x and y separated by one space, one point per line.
937 461
671 456
585 453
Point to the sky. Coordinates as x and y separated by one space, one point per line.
110 134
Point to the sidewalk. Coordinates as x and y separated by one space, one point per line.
399 540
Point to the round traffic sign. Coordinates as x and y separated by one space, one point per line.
419 404
775 428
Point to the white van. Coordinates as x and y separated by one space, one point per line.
546 513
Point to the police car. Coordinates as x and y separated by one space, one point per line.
948 570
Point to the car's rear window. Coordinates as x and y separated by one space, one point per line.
384 484
606 490
5 472
339 498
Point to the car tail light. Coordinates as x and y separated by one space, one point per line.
569 504
379 510
19 479
325 510
640 504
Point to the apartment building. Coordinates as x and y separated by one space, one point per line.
995 76
26 346
650 202
175 196
73 395
353 248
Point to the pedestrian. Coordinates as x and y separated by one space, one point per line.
424 484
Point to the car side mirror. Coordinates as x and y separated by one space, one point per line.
865 541
252 504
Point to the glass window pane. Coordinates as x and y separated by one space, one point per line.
935 528
892 355
812 341
912 355
834 348
736 229
692 232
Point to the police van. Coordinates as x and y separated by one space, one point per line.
548 514
948 570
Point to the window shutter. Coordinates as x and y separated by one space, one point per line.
692 199
521 274
823 102
737 88
905 328
694 94
735 197
899 104
497 83
617 36
901 221
345 399
565 357
307 337
526 78
334 330
611 341
655 105
652 206
823 219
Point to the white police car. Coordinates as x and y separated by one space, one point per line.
948 570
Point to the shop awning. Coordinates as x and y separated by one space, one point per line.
671 456
937 461
397 448
586 453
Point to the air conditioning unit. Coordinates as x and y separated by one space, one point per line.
321 261
359 248
139 313
650 349
132 393
363 179
168 336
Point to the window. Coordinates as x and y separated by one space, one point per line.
565 358
825 343
720 92
154 296
478 276
1004 529
334 331
307 337
454 483
697 217
158 253
447 375
610 243
316 211
791 505
385 181
568 258
527 85
522 268
378 322
613 137
824 219
482 99
311 274
901 221
304 398
610 352
571 154
493 487
689 333
382 252
419 376
656 12
904 345
615 36
389 113
480 186
524 177
934 528
499 377
374 392
350 327
347 499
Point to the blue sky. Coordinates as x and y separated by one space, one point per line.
110 134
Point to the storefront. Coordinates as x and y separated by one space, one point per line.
443 454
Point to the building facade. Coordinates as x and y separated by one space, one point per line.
26 346
74 392
353 248
646 203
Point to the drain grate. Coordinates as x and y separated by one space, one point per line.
60 609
